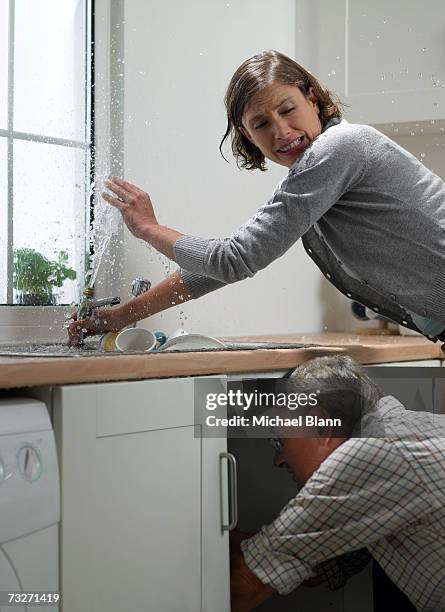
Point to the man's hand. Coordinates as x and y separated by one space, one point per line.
134 204
247 591
236 537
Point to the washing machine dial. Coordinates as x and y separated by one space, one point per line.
30 464
2 471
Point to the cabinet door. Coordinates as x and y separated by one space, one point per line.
137 499
383 59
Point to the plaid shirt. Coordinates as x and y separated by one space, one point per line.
384 494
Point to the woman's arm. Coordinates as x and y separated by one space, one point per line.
333 165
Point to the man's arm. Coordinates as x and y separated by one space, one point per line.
363 492
246 590
336 572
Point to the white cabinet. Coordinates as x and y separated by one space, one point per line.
385 60
141 504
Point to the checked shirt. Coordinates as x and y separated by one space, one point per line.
384 492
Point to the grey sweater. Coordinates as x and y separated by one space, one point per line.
371 216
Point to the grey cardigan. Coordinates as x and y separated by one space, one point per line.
371 216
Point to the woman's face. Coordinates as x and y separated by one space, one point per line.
282 122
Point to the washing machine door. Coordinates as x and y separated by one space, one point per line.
8 581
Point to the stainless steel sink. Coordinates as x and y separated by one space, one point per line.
92 349
28 349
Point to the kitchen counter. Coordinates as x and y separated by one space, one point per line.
366 349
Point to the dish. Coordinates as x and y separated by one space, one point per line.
192 341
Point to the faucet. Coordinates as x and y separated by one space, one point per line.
88 303
139 286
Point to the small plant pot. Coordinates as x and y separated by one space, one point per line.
33 299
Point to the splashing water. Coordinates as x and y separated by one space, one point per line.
105 225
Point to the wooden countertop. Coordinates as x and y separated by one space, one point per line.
36 371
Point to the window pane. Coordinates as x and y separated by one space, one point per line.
3 218
49 206
50 63
4 10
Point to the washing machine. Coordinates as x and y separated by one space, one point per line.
29 502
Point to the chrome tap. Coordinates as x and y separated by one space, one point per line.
88 303
139 285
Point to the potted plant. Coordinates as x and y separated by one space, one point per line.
35 276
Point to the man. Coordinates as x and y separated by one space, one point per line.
375 486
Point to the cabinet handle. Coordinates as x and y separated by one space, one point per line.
233 492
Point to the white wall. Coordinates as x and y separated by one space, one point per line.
179 58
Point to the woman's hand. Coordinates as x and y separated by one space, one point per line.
134 204
101 320
138 214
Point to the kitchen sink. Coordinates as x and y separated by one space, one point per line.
92 349
60 349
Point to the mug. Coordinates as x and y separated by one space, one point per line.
135 339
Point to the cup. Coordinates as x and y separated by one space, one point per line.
161 338
108 342
135 339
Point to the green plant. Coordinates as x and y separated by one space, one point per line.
36 275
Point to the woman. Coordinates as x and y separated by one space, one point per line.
370 214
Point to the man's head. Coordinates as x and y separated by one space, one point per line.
344 392
264 89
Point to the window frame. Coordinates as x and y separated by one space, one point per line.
86 145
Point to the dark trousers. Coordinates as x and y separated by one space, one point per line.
387 597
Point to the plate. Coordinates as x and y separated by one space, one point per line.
192 341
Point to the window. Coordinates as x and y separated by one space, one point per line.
45 146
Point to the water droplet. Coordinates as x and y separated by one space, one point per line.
424 49
422 155
385 21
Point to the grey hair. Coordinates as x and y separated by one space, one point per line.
344 391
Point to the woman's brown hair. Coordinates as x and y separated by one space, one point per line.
251 77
